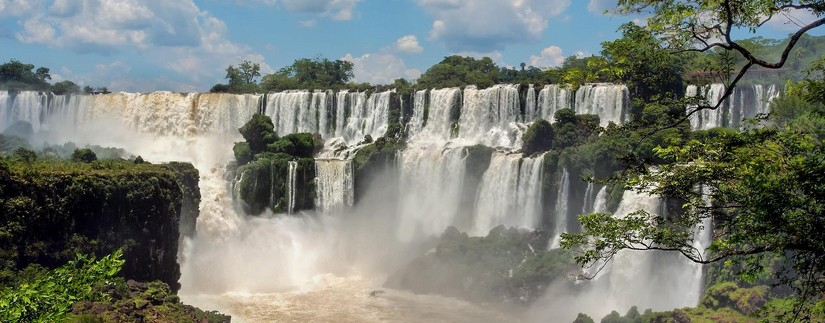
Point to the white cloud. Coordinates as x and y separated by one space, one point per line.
484 26
791 19
549 57
408 44
176 35
600 6
19 7
335 9
380 68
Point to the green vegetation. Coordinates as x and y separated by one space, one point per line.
538 137
52 209
456 71
263 162
241 79
18 76
49 298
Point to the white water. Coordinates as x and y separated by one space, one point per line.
431 185
553 98
490 116
560 212
334 185
747 101
509 193
608 101
438 123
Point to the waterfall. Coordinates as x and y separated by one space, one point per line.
528 196
291 178
417 119
25 106
746 101
496 200
334 184
342 104
552 98
560 212
600 204
530 109
431 186
438 107
608 101
489 116
589 198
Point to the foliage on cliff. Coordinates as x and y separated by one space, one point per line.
52 209
264 162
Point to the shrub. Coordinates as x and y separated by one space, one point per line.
538 137
84 155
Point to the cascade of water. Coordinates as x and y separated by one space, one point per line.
431 185
530 109
528 196
292 111
342 109
438 123
600 204
417 120
608 101
489 116
323 104
496 201
560 212
334 184
292 179
25 106
222 113
707 118
552 98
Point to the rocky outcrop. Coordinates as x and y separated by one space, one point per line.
50 210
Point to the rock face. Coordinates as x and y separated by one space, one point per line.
51 210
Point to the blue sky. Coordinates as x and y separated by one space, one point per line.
185 45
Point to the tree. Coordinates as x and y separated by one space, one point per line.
640 61
246 73
22 76
65 87
454 71
84 155
305 73
762 189
699 25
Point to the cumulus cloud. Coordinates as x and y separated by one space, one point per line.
485 26
380 68
549 57
408 44
176 35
